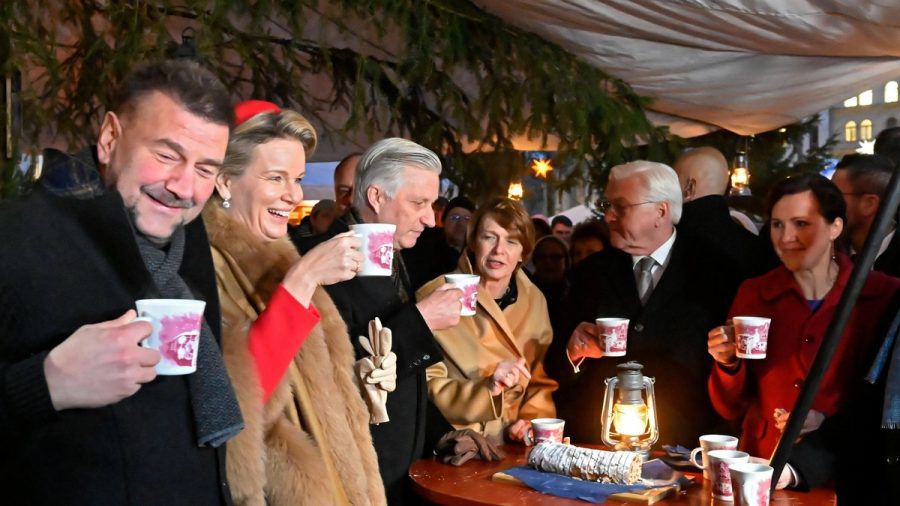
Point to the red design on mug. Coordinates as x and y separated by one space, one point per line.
753 339
470 295
381 249
762 493
613 339
722 484
548 434
178 336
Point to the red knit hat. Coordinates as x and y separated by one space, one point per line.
249 108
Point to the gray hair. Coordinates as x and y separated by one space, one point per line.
383 164
660 183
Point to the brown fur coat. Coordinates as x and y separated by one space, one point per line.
310 444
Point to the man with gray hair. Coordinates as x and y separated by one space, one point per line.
396 182
670 289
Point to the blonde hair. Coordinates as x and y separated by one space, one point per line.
260 129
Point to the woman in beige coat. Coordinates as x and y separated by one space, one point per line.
306 438
492 378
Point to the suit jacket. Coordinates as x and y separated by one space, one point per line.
415 424
668 336
430 257
68 262
472 349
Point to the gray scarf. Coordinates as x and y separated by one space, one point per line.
217 417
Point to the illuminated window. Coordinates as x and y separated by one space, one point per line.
865 130
865 98
851 102
890 92
850 131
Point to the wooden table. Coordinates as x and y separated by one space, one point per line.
471 484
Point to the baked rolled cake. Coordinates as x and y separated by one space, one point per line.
586 463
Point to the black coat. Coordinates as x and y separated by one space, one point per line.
707 219
429 258
668 336
415 424
889 261
68 262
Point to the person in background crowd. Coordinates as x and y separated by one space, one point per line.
317 222
84 419
863 180
588 237
307 426
343 194
541 226
561 227
672 290
396 182
807 215
438 207
492 378
437 250
888 144
703 174
551 264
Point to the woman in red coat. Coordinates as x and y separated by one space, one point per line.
807 215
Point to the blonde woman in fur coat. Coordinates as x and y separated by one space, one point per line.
306 439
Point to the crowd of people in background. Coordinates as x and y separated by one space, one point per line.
185 196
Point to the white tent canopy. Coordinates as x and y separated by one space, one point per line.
747 66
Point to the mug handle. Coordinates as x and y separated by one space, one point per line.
694 456
144 319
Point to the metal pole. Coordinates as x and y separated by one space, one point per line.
886 213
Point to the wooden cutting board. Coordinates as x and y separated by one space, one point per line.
649 496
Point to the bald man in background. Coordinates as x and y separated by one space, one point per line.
703 175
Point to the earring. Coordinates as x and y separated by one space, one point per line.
226 203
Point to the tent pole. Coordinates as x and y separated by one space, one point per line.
866 258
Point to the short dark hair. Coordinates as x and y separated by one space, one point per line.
185 81
541 227
867 173
593 228
888 144
561 219
460 202
827 195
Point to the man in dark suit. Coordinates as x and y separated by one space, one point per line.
703 175
396 182
863 179
673 289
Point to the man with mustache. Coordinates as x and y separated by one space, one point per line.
84 419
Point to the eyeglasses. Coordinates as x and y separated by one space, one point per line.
457 218
604 206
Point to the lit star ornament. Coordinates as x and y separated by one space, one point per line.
515 191
541 166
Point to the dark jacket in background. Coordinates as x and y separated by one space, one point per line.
69 262
889 261
668 336
708 219
429 258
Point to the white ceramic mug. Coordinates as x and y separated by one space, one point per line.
548 429
468 283
708 443
751 483
613 335
176 332
719 464
751 336
377 247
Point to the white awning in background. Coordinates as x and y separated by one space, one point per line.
748 66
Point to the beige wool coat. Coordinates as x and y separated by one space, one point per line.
310 443
458 386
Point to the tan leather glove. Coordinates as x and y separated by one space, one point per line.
377 373
460 446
